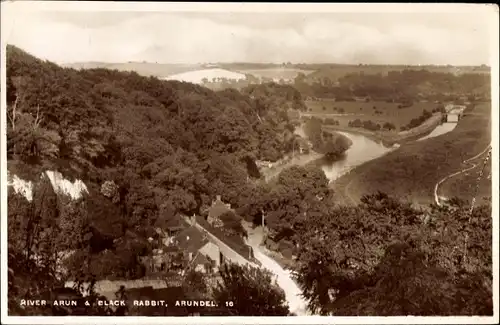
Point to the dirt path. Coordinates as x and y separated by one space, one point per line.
346 191
467 161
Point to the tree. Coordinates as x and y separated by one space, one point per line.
313 131
388 126
297 190
405 283
336 145
252 292
194 286
232 223
384 257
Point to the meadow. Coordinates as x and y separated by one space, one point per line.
376 111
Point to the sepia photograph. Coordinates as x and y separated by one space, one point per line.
315 162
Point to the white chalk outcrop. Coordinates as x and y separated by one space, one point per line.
61 185
75 189
20 186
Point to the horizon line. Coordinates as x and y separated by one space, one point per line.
280 63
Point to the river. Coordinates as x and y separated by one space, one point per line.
362 150
439 130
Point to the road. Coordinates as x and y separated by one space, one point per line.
346 191
467 161
283 277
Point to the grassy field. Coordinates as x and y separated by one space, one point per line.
376 111
413 170
275 73
389 138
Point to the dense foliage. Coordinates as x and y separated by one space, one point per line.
417 121
391 259
251 291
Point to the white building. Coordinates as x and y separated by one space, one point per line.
455 114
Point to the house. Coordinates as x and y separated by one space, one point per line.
201 263
201 254
168 258
213 252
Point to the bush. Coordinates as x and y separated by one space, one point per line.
389 126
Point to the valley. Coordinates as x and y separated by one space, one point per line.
309 188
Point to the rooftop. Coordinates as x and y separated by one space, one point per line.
456 110
200 259
191 240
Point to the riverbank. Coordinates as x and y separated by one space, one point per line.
390 138
269 173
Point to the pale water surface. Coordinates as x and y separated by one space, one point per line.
440 130
362 150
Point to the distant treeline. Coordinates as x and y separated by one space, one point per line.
405 86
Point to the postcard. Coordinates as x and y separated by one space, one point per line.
236 163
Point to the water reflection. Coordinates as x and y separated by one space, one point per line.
362 150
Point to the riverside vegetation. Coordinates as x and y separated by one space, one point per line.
170 148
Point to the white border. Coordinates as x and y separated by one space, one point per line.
138 6
10 9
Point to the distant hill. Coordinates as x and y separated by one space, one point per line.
142 68
197 76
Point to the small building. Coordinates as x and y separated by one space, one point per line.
163 260
304 146
454 115
202 255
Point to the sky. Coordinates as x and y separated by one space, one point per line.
456 38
